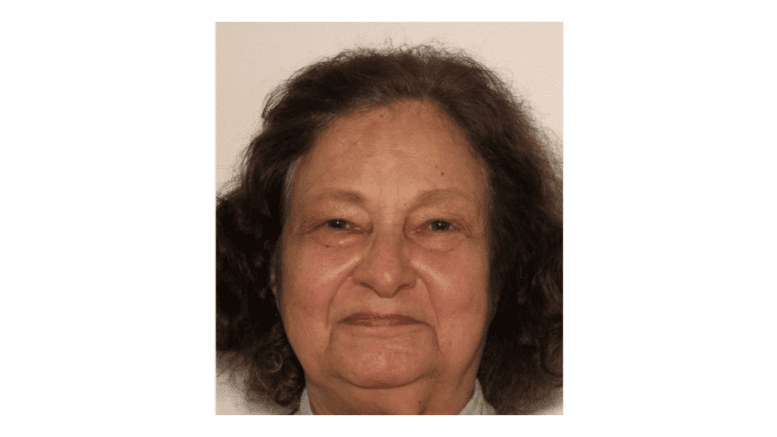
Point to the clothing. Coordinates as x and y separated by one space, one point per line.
477 404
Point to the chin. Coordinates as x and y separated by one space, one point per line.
384 369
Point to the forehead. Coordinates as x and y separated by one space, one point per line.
421 123
405 148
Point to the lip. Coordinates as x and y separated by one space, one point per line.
378 320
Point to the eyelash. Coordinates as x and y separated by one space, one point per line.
438 221
337 224
328 224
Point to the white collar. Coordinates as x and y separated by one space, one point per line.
477 404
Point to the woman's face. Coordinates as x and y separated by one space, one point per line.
385 251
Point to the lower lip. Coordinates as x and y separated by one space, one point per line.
380 322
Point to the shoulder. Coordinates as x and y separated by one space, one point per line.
552 405
231 396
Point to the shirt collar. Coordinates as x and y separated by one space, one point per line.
477 404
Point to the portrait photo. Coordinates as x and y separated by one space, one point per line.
389 218
391 205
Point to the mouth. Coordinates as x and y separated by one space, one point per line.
376 320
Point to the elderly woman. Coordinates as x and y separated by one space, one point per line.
394 243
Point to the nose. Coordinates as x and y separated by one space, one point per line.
385 269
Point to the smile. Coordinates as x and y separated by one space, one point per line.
376 320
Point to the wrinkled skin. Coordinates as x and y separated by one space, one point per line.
385 264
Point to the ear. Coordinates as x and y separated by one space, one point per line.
274 287
273 284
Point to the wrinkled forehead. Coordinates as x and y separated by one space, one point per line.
425 115
418 133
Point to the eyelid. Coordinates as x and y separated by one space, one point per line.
451 223
431 217
426 227
349 224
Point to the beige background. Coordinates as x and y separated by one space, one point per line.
253 58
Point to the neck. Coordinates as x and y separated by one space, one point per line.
424 396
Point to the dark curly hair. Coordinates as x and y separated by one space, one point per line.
522 359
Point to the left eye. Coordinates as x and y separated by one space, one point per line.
440 225
337 224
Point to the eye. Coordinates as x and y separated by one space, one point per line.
440 225
337 224
439 235
337 233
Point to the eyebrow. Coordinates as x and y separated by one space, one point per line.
438 195
344 195
424 197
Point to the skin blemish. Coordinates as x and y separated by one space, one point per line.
378 233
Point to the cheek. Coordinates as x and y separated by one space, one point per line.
458 284
312 274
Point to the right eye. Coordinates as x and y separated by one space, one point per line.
337 233
338 224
